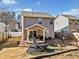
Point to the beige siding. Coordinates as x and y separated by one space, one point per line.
74 25
46 23
50 27
30 21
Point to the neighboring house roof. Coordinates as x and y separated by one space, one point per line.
71 17
36 14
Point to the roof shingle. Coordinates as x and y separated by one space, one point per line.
36 14
71 17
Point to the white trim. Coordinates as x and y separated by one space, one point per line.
33 26
22 20
27 36
44 35
36 25
36 41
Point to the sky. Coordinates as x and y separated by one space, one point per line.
53 7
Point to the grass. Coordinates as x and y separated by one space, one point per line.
11 50
11 42
34 53
13 53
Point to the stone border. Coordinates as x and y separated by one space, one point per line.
53 54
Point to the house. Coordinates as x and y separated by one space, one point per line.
66 24
36 25
2 26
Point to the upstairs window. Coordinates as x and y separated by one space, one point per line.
51 21
75 23
40 20
70 23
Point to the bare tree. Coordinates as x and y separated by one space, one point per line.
5 16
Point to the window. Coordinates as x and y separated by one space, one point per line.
75 23
78 30
32 34
40 20
70 23
51 21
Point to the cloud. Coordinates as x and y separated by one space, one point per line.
18 11
25 9
7 2
71 12
37 3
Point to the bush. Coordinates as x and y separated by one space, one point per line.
48 38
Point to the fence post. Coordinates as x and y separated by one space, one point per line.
2 36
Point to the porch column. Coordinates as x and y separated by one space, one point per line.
22 21
22 39
27 35
43 35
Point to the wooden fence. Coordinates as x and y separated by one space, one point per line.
3 36
15 34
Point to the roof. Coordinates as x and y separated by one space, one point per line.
71 17
36 14
36 25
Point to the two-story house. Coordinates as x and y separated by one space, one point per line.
36 25
66 24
